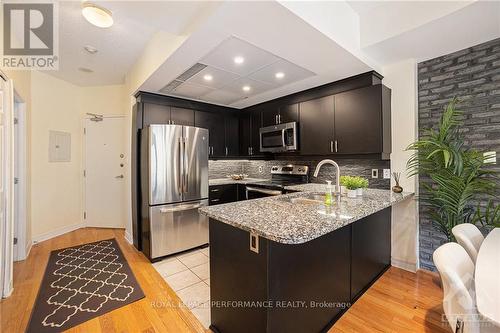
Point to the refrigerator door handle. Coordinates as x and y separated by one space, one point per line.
180 208
185 164
179 167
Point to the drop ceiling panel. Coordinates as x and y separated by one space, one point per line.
256 87
222 57
290 71
222 97
191 90
219 77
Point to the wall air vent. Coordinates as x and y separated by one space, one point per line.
193 70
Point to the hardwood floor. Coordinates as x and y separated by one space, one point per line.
147 315
399 301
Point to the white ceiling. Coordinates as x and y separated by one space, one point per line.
312 42
228 78
120 45
272 30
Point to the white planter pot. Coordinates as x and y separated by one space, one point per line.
352 193
343 190
359 191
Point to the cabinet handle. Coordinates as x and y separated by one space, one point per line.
336 146
226 151
248 150
331 146
279 119
276 119
214 190
215 200
251 150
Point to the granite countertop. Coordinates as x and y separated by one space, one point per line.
224 181
278 219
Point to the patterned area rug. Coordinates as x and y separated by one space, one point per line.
81 283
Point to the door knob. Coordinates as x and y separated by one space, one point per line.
120 176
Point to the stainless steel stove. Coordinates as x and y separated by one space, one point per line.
281 176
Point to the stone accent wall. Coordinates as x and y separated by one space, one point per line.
351 167
473 76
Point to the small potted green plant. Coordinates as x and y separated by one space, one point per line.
352 184
363 183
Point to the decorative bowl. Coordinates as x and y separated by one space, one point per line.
238 176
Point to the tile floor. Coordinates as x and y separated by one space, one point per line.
189 276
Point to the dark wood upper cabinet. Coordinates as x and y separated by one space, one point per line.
214 122
256 116
273 114
245 128
359 114
155 114
316 126
289 113
270 115
181 116
231 135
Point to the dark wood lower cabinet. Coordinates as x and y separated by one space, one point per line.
220 194
293 288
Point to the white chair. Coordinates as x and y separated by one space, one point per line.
469 236
457 275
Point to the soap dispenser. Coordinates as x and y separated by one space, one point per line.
328 193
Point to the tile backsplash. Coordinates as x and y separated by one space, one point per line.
350 167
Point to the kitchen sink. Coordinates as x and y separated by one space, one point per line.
309 199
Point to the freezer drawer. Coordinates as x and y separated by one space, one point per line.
177 227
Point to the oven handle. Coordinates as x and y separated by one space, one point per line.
283 138
263 191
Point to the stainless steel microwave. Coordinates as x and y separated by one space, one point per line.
279 138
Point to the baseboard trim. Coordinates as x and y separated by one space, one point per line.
57 232
128 238
407 266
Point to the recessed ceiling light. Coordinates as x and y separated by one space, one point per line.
207 77
279 75
96 15
246 88
85 70
90 49
239 60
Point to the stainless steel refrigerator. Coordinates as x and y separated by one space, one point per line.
175 184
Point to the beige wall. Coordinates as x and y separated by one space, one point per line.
401 78
56 188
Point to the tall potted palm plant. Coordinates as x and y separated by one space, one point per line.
454 179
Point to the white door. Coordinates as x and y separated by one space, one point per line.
104 174
6 186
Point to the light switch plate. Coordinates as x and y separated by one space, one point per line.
490 157
387 173
374 173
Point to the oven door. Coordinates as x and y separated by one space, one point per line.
259 192
278 138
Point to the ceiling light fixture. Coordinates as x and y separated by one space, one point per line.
90 49
96 15
207 77
246 88
85 70
279 75
239 60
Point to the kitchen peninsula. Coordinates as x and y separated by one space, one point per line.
291 264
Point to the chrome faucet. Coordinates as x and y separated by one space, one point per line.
337 171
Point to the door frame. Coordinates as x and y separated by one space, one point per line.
83 220
21 211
